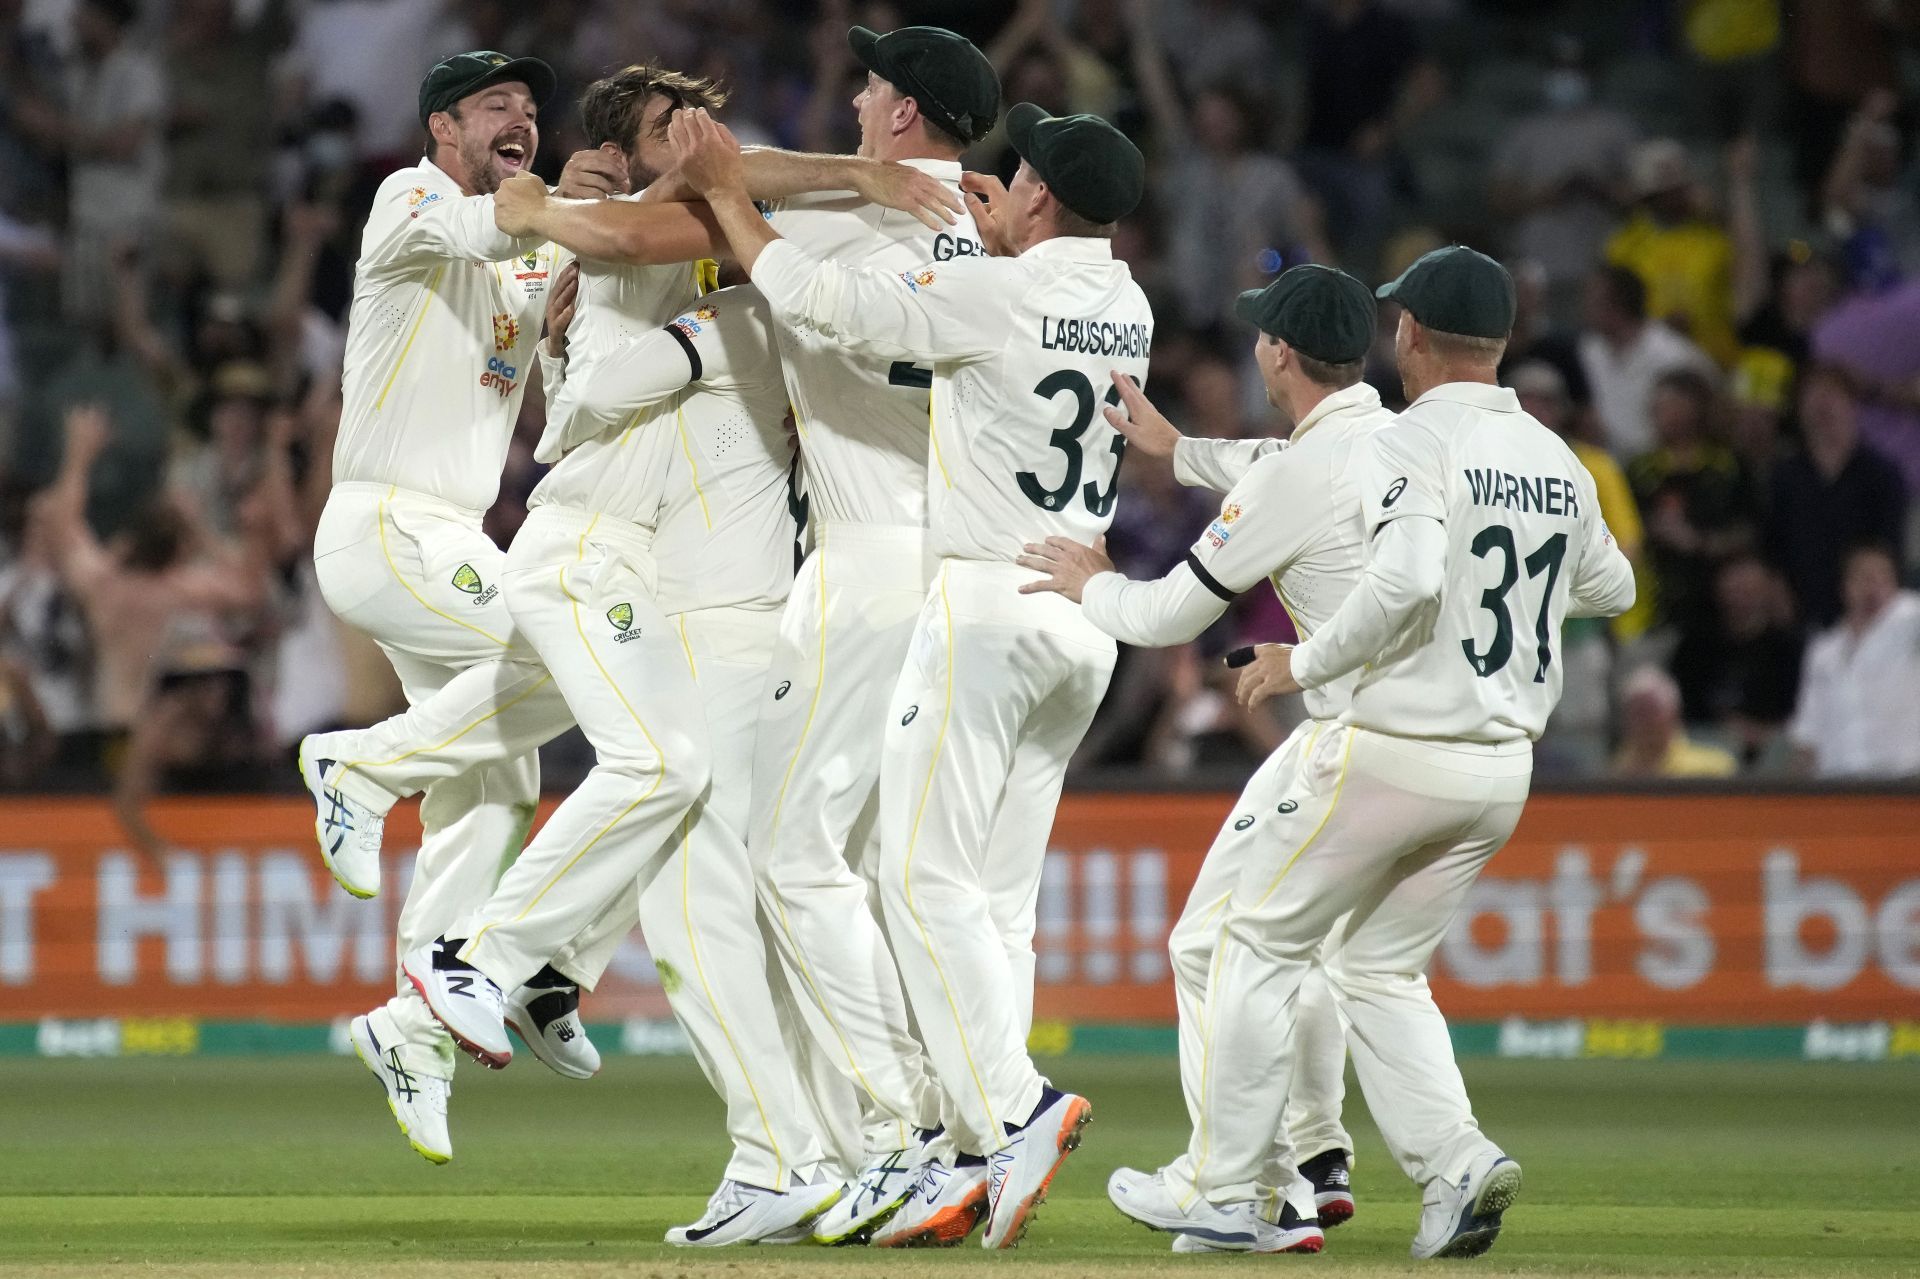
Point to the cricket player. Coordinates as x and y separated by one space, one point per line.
999 687
1484 535
862 420
445 314
1292 514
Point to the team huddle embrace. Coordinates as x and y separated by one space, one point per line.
833 672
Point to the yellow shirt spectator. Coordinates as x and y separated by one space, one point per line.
1687 267
1622 515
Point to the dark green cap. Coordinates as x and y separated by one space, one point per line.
1456 290
1087 163
464 73
951 80
1317 310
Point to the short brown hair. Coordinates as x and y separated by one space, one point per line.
1467 346
613 106
1321 373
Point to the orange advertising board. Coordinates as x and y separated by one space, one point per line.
1688 909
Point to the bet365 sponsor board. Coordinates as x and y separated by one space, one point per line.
1613 925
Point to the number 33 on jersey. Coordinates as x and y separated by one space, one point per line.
1526 549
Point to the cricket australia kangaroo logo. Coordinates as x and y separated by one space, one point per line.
465 579
621 615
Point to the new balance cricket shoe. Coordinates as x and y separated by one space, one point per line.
463 999
739 1213
349 832
1236 1227
1332 1187
943 1208
545 1013
418 1101
1463 1220
873 1195
1019 1173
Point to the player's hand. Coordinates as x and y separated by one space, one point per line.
1270 674
1067 563
899 186
594 174
706 152
986 197
1144 426
560 300
518 203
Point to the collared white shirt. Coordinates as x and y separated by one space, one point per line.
862 416
446 314
1292 515
1859 709
1021 351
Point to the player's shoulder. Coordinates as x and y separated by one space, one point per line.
416 187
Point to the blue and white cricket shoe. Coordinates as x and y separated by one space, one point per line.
418 1100
349 832
1464 1220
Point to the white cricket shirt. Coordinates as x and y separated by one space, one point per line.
1518 526
1292 515
446 312
862 416
1021 349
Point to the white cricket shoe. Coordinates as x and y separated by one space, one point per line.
1200 1226
873 1195
1464 1220
349 832
418 1102
545 1013
944 1207
463 999
1019 1173
739 1213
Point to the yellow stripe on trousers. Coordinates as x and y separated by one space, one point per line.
1219 946
906 873
660 771
381 519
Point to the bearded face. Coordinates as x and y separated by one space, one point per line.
497 136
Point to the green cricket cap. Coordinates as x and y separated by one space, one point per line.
944 73
1319 311
1089 165
464 73
1456 290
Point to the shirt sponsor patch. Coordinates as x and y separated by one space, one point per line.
916 280
1218 532
506 332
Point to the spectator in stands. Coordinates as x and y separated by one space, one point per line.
1214 44
1693 498
1832 494
1653 744
1743 676
1867 207
1838 52
1623 355
1233 214
1872 337
1559 174
110 128
1683 257
1859 711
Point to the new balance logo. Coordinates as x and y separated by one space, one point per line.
460 984
563 1031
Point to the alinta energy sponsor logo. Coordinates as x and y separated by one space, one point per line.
500 376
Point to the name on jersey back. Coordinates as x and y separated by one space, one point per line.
1549 494
1095 337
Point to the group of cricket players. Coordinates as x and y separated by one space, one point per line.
833 672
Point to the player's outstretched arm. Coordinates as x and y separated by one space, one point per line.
1603 583
412 226
1197 462
770 174
638 233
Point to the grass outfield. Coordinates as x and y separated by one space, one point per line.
255 1166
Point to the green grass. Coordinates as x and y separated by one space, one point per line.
217 1166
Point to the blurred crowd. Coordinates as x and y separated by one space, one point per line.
1711 209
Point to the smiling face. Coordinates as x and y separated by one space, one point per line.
491 133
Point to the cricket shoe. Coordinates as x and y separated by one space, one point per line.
463 999
349 832
545 1013
1200 1226
1464 1220
1019 1173
418 1102
944 1207
873 1195
739 1213
1332 1186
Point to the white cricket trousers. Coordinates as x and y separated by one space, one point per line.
822 729
1375 844
998 691
1312 1124
702 927
418 576
580 587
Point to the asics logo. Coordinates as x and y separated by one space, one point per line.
402 1077
908 717
1394 491
785 686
